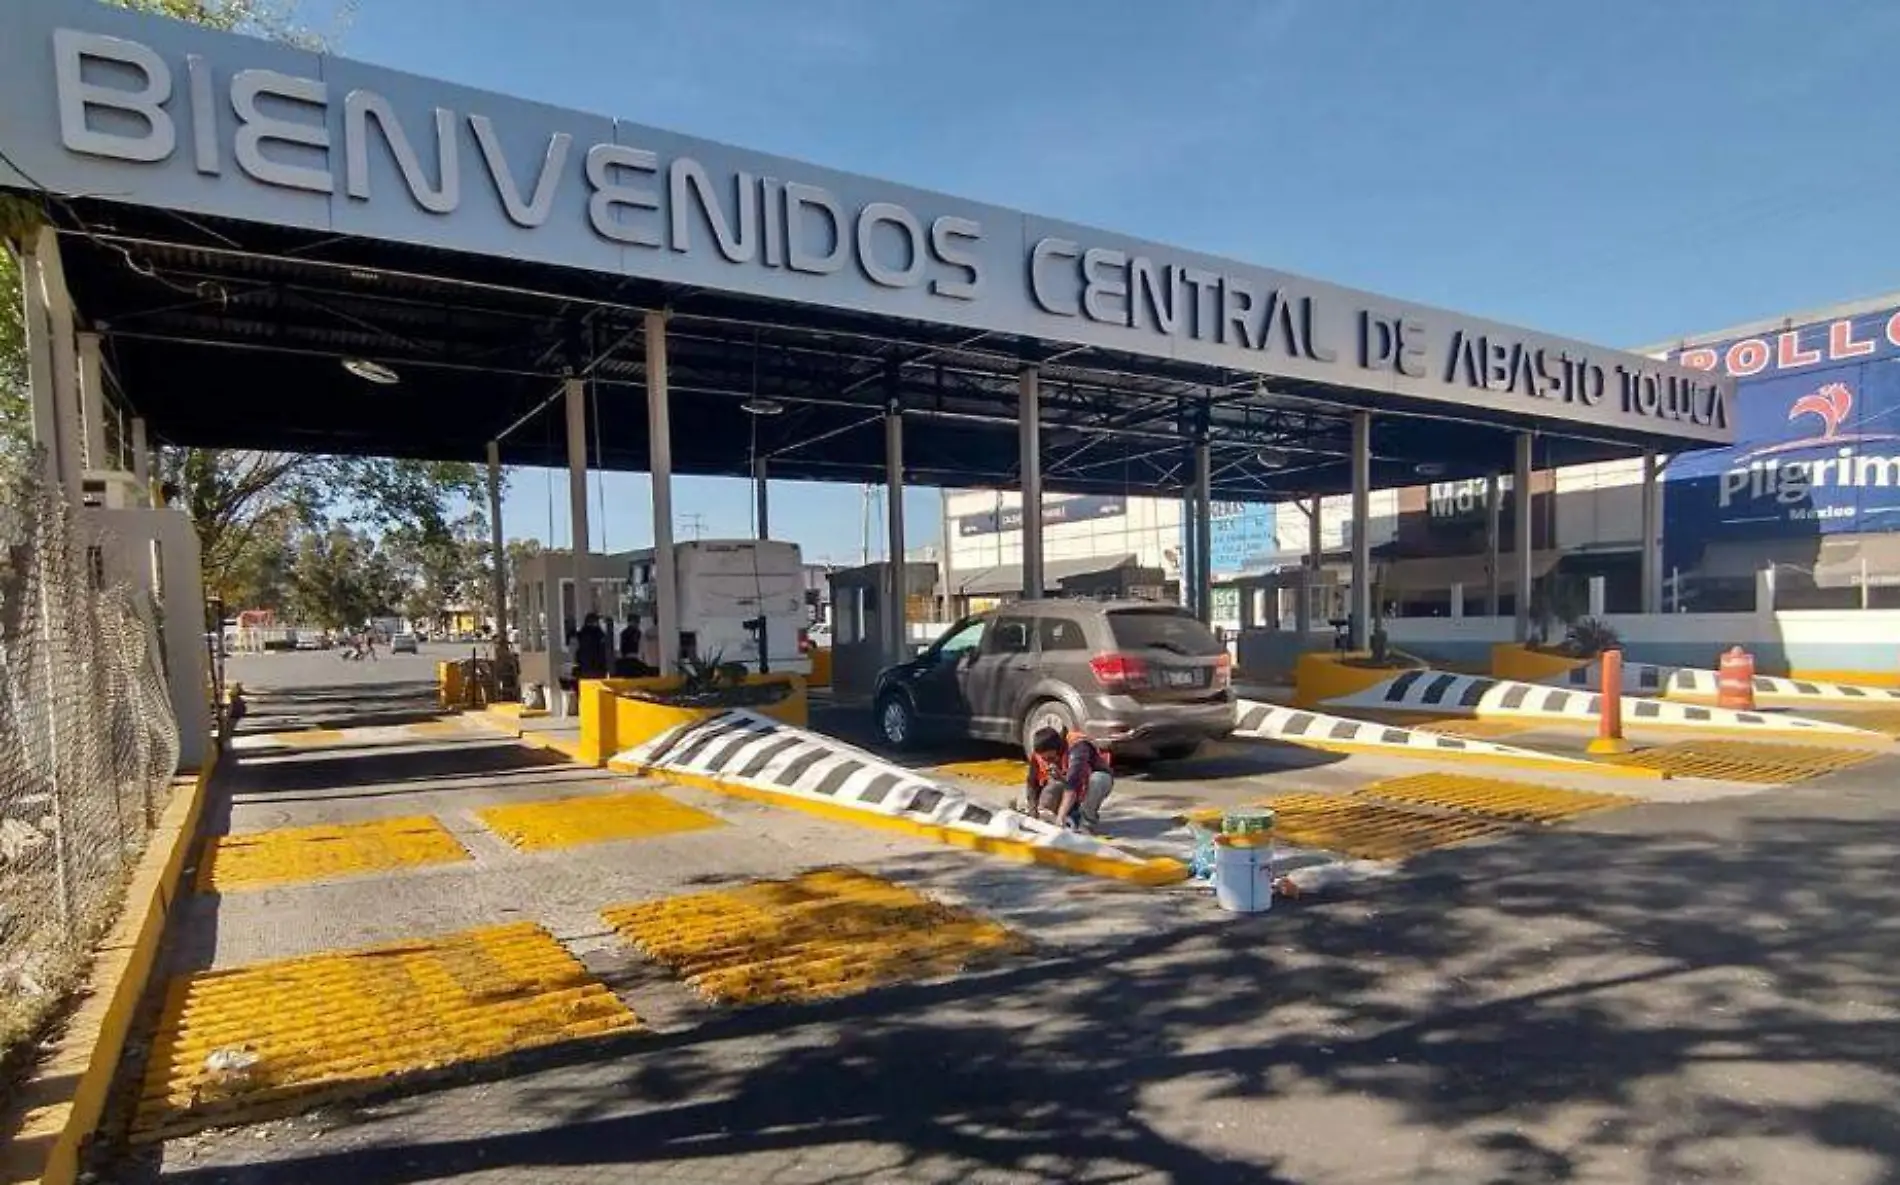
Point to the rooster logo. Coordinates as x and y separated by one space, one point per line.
1832 403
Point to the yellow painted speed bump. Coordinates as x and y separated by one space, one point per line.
1738 761
1368 830
827 933
251 1043
288 855
1493 797
593 818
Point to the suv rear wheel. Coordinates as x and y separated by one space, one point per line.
1050 713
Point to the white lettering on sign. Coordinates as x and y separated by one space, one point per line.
691 212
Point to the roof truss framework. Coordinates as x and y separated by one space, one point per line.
226 334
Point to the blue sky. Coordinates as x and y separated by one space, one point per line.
1621 172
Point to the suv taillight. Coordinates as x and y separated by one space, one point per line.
1223 669
804 641
1119 672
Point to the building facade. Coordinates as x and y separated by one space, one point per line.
1804 509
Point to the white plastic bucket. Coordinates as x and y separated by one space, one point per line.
1243 877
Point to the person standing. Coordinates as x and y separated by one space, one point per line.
590 649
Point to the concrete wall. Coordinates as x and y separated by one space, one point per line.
1805 641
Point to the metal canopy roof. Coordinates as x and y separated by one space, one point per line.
230 335
259 214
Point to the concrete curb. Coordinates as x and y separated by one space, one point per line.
58 1107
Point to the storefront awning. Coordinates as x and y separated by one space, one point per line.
1838 561
1008 578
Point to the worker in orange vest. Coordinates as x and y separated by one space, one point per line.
1069 778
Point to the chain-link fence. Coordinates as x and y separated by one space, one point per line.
88 744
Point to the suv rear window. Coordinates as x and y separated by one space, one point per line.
1172 630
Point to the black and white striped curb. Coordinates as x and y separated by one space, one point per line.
760 753
1300 726
1642 678
1445 693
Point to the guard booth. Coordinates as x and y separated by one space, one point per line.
865 638
1285 613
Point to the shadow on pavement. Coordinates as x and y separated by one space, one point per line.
1687 993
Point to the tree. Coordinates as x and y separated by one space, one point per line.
342 578
450 569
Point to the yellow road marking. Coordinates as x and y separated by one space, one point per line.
827 933
1743 761
308 738
1007 771
1885 720
436 728
1493 797
290 854
249 1043
593 818
1369 830
1463 726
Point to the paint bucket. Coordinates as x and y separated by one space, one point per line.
1251 820
1243 872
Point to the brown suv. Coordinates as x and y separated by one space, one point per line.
1147 679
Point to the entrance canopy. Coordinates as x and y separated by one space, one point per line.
239 220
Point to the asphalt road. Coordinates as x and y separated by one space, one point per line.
1704 991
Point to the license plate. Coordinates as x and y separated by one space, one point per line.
1181 678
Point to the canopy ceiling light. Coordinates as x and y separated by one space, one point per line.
1429 469
1271 458
373 372
762 407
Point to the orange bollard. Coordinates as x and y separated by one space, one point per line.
1735 680
1609 738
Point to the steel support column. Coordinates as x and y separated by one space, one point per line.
1315 555
576 401
1521 530
1029 443
897 584
1494 545
1652 534
141 458
660 466
498 553
39 363
1361 613
1203 529
92 397
761 500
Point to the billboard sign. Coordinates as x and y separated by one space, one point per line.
1817 452
1241 537
1056 510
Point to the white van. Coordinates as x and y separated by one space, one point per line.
724 583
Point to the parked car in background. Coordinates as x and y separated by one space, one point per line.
404 643
1146 679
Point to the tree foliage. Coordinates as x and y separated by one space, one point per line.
341 578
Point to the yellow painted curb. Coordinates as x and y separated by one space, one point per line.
58 1108
1321 676
1157 871
1512 660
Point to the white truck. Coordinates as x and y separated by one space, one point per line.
723 584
